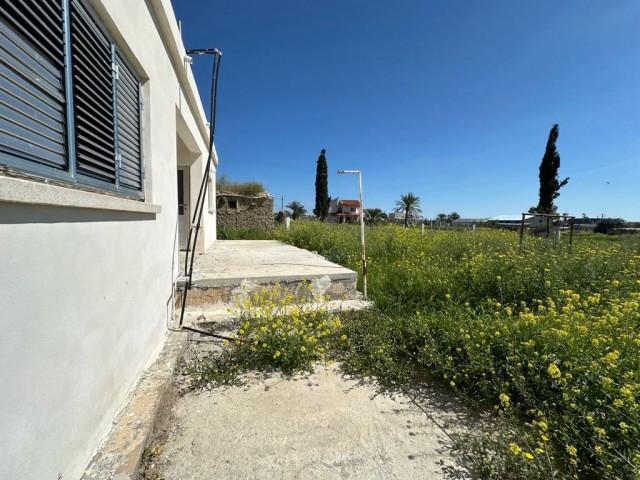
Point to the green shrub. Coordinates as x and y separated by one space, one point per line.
224 185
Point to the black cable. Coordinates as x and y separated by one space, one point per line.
197 214
205 178
209 334
209 158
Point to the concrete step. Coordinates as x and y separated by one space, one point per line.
235 267
234 270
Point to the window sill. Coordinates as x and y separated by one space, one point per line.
16 190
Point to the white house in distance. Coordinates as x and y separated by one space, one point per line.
344 211
101 131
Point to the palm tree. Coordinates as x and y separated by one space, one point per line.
453 216
442 217
410 205
297 209
374 215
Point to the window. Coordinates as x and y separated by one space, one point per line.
70 106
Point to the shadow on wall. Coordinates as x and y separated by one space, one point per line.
16 213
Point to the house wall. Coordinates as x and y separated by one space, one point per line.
193 152
86 279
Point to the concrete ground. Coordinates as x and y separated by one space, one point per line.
315 426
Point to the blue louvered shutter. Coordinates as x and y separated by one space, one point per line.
32 87
102 144
93 100
128 126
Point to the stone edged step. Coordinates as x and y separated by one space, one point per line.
222 319
204 291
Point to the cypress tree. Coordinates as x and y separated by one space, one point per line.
550 184
322 188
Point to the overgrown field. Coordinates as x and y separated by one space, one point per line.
548 339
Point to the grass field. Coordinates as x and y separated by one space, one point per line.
548 339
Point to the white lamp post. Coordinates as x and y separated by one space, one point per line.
364 255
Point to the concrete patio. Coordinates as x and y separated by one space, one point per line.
229 262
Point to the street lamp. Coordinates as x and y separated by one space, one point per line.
364 256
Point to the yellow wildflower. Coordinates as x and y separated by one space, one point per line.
554 371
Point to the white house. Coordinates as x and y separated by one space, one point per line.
101 130
344 211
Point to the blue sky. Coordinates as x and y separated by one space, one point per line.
451 100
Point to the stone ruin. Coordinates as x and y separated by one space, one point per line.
245 211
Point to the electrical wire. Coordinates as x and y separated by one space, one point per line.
197 214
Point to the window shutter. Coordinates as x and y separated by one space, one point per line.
128 126
32 96
92 97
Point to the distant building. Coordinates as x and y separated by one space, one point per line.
513 222
344 211
398 217
469 222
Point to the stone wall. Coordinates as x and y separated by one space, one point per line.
243 211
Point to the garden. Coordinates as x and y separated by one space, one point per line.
546 339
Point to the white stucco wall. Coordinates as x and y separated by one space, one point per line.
85 293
